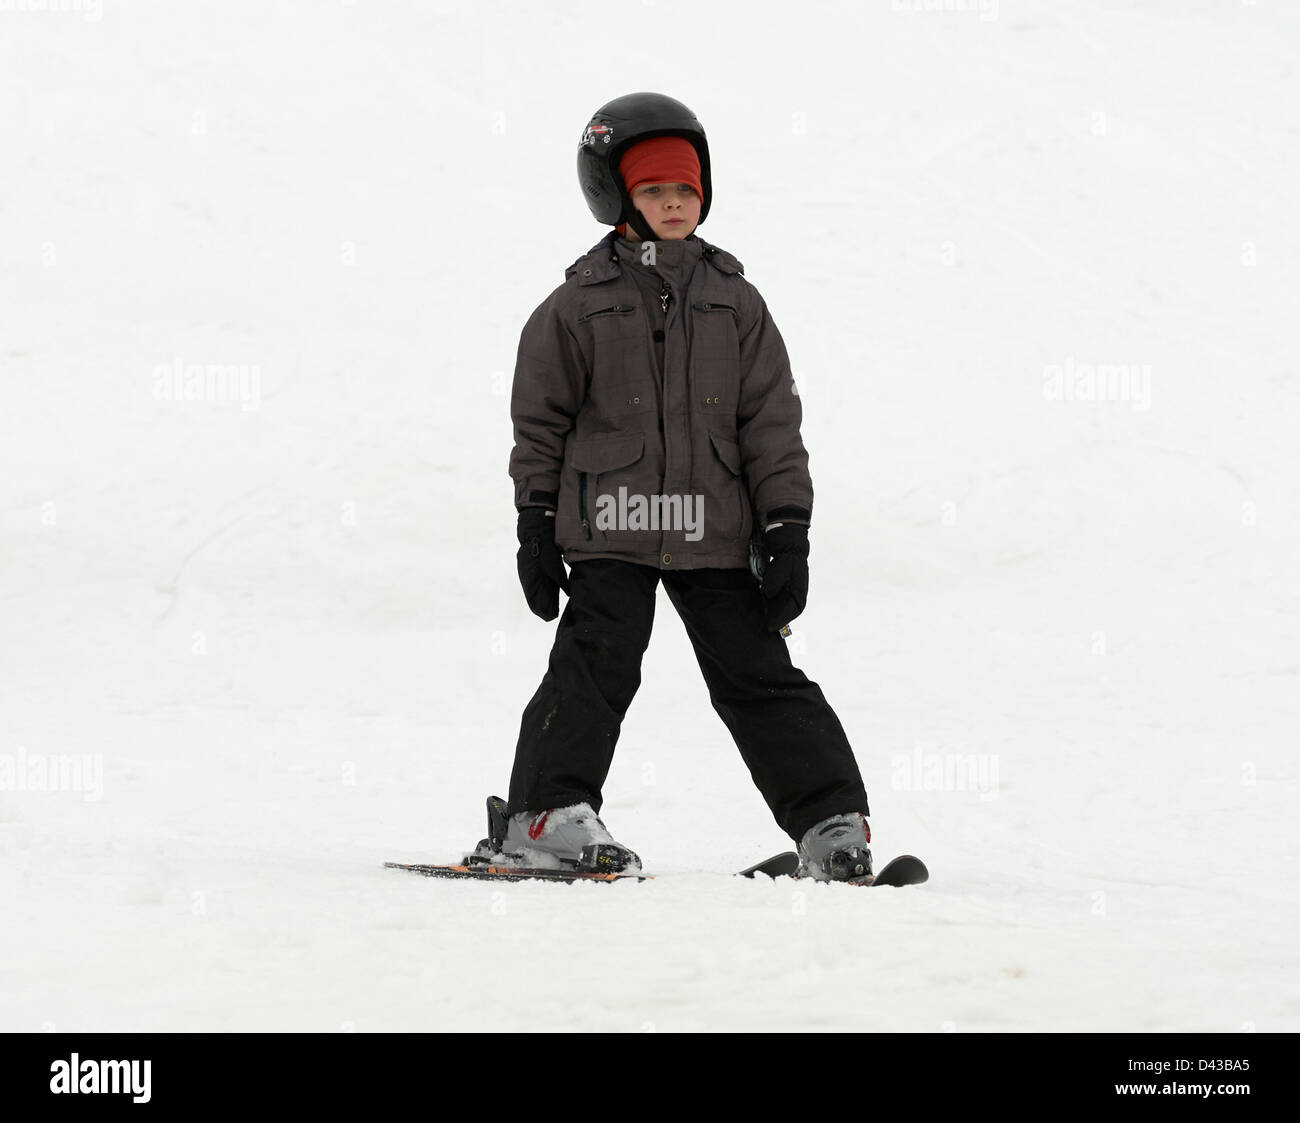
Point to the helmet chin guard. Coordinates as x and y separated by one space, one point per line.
613 128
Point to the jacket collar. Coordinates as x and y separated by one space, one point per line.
601 262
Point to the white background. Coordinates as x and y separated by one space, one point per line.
289 629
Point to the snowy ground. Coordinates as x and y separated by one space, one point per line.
285 636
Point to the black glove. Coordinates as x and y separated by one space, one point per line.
785 577
541 569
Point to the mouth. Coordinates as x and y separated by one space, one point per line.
673 221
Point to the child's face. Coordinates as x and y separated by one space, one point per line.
671 209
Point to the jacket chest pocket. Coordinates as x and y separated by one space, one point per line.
618 341
715 357
612 310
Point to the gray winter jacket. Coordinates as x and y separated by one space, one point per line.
654 409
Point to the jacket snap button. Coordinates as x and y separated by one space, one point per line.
668 558
586 272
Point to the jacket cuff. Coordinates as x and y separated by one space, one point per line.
798 515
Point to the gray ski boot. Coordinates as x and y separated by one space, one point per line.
558 838
836 849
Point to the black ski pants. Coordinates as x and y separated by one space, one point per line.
787 733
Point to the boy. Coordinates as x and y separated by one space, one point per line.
657 438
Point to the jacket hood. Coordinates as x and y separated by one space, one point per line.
601 262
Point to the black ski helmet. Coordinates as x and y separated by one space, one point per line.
613 128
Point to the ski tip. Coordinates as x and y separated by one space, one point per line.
921 870
906 869
779 865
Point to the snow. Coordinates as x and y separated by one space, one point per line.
284 630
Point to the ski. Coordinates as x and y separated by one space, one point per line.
906 869
513 873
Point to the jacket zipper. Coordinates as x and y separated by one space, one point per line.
613 309
703 306
582 505
620 308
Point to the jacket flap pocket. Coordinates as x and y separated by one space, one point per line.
604 454
728 451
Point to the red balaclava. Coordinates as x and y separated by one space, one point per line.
661 159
